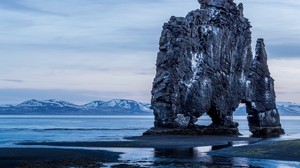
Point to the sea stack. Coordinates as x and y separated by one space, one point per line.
205 65
263 117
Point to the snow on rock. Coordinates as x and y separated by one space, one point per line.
94 104
31 103
6 106
284 109
182 121
59 103
205 65
207 56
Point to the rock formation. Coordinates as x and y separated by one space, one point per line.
263 116
205 65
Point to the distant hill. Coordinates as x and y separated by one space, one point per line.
112 107
284 108
57 107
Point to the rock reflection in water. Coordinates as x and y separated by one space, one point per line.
194 157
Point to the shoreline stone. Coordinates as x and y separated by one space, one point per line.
195 131
205 65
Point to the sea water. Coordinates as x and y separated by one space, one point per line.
23 128
20 128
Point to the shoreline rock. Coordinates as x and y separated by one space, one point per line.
205 65
196 131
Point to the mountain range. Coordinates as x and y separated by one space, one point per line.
57 107
112 107
284 108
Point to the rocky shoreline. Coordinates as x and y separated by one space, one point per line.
194 131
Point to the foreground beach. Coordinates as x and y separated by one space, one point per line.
51 157
278 150
180 147
168 141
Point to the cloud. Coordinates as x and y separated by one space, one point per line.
146 71
283 51
89 25
110 46
12 80
22 7
276 22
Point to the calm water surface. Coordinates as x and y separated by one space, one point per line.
20 128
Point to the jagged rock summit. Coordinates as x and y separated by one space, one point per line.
205 65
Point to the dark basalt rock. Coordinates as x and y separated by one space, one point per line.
263 116
205 65
196 130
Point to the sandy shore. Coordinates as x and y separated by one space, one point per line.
288 150
46 157
52 157
169 141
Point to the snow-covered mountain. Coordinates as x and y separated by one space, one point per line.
127 104
93 105
288 108
112 107
118 103
284 108
45 103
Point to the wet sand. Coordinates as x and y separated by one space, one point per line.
49 157
52 157
288 150
169 141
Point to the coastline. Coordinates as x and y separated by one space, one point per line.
53 154
166 141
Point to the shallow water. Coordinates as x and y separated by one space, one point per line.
20 128
191 157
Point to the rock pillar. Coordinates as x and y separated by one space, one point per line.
263 116
205 65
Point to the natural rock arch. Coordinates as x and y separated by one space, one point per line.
205 65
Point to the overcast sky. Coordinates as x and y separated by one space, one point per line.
84 50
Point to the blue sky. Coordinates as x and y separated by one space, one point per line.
84 50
